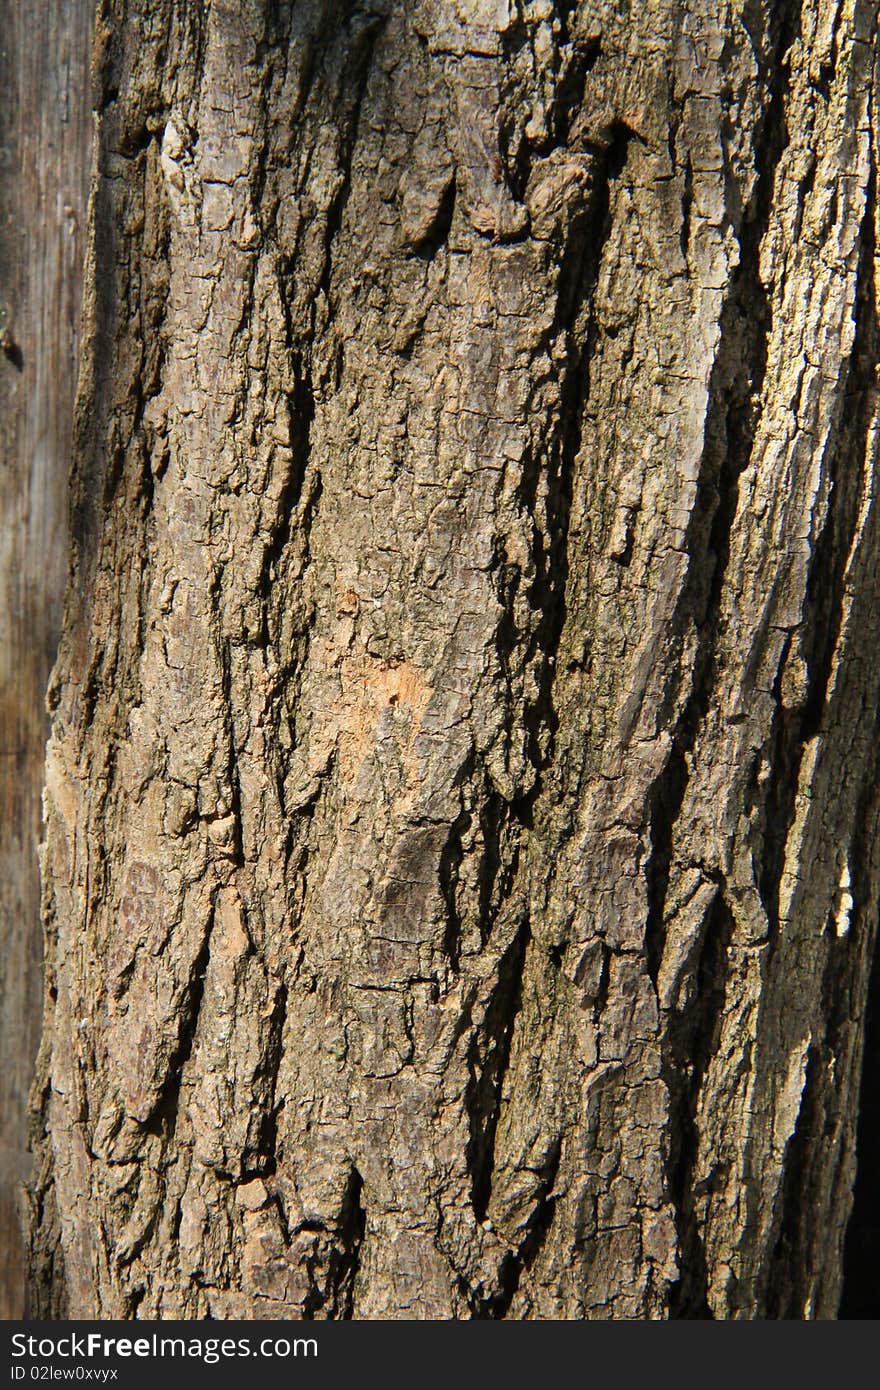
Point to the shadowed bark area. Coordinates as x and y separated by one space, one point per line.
461 863
861 1293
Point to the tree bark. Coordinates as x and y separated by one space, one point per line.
461 862
44 131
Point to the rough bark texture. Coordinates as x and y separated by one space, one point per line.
44 131
461 861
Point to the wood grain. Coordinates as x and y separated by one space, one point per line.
45 124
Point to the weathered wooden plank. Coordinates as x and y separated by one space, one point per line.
44 138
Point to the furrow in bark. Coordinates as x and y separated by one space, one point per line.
578 278
786 1284
517 1264
693 1040
451 857
335 1296
351 1236
301 406
356 76
164 1114
231 776
266 1160
488 1058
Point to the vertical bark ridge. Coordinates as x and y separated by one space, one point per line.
818 639
732 415
810 889
734 401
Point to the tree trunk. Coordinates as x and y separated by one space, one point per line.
44 131
461 865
